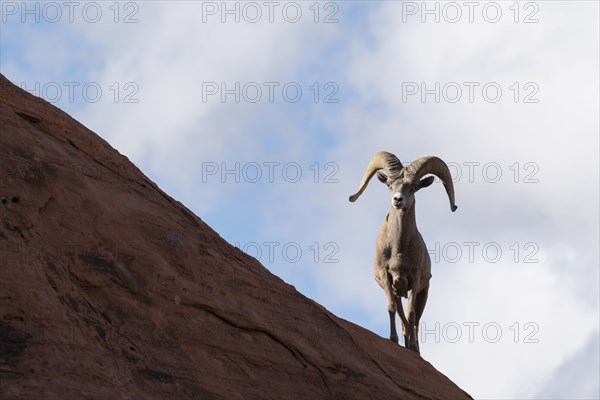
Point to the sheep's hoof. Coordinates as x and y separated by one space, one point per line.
414 347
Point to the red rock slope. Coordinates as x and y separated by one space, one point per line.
110 289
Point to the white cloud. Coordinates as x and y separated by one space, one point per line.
572 378
170 55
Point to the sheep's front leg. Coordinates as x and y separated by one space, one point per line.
391 307
404 321
393 332
413 342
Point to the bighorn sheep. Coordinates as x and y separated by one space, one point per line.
402 264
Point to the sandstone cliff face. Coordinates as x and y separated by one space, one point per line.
109 288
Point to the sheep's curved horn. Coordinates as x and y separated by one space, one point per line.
381 160
432 165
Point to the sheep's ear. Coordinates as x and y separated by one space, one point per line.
425 182
382 177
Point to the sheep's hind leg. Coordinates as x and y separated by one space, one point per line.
420 307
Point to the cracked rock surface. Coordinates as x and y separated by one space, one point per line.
109 288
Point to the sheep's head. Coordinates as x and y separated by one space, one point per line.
403 190
404 182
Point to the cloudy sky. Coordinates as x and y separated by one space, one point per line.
261 117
